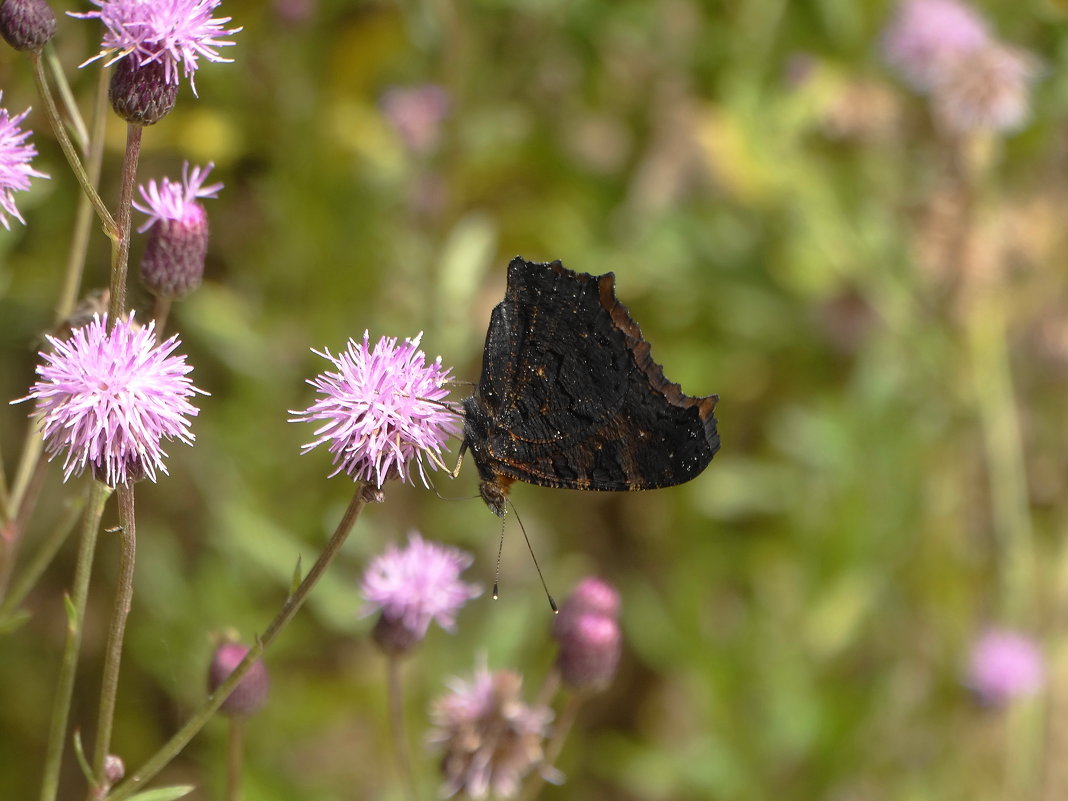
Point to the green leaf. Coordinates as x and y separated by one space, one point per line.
72 613
164 793
14 620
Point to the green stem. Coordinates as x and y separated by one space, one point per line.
120 250
235 753
396 724
79 243
65 94
67 146
27 502
57 733
116 633
182 737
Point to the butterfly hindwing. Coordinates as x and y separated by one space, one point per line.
570 397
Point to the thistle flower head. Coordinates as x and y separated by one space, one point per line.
250 693
380 411
927 35
1005 665
106 399
413 586
492 739
176 200
173 263
15 157
985 89
173 33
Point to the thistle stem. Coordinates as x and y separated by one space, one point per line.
555 745
120 249
234 758
396 724
116 633
57 733
60 130
182 737
79 242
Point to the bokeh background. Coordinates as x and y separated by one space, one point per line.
879 304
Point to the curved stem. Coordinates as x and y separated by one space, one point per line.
396 724
57 732
120 250
174 746
116 633
65 94
67 146
79 242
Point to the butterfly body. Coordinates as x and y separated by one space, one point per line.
570 397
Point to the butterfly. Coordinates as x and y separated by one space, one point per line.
570 397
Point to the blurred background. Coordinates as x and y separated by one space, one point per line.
876 289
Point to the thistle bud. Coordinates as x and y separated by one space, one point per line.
27 24
141 94
173 262
587 631
250 693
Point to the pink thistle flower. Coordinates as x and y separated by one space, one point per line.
927 35
15 157
1005 665
173 263
173 33
380 410
492 738
414 586
107 398
176 200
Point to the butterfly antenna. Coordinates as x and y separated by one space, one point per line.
497 569
544 586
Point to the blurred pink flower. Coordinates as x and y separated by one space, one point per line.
415 585
1005 665
926 35
416 113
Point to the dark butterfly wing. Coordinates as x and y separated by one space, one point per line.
570 397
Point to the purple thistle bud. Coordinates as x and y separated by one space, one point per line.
492 739
1005 665
106 399
927 35
141 95
414 586
415 114
15 157
250 693
381 411
114 769
27 24
173 263
985 89
175 34
587 631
